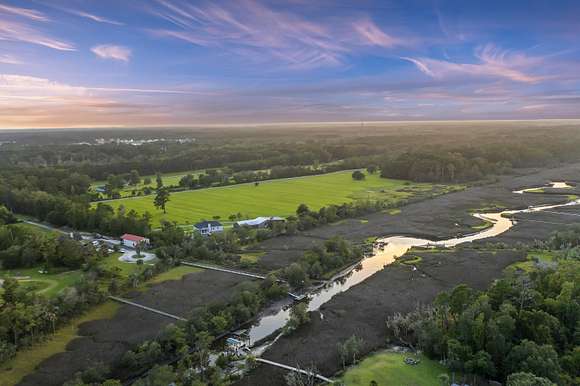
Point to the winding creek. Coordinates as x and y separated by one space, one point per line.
394 247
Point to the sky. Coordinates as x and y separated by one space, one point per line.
107 63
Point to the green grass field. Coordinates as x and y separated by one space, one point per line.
47 284
125 269
273 198
389 369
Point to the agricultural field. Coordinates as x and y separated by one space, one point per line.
276 197
389 369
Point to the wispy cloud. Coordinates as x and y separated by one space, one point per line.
27 85
93 17
23 12
9 59
373 35
111 51
251 29
493 62
18 32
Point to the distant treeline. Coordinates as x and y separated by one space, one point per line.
476 162
98 162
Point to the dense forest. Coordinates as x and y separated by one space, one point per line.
525 327
473 163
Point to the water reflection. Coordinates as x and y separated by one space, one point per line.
394 247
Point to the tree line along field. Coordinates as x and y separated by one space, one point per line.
272 198
169 179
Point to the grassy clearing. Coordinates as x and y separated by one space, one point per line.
533 256
251 258
389 369
47 284
125 269
275 197
26 361
173 274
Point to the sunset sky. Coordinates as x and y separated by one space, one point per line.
76 63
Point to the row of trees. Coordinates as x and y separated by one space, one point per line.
75 213
213 177
164 156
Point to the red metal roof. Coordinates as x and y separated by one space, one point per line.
135 238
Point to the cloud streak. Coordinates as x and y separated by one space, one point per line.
9 59
493 63
113 52
93 17
250 29
23 12
18 32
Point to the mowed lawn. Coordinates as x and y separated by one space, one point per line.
389 369
272 198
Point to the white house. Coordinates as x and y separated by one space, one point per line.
208 227
132 241
259 222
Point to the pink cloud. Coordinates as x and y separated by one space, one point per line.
9 59
111 51
373 35
93 17
23 12
18 32
494 62
264 34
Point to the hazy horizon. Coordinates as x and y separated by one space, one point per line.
179 63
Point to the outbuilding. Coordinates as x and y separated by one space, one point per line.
259 222
132 241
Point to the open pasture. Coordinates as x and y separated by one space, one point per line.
273 198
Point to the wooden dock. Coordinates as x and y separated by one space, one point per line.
226 270
290 368
159 312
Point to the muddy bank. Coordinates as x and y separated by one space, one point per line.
106 341
363 309
438 218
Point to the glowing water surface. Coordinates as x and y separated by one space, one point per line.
394 247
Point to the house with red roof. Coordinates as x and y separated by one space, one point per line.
131 241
